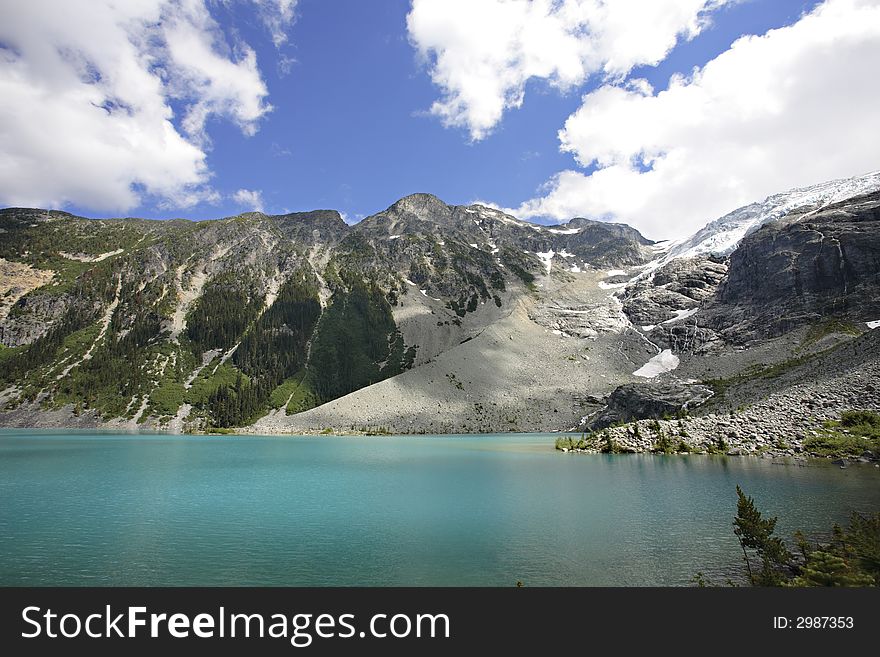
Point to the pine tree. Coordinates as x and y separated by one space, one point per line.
826 569
756 533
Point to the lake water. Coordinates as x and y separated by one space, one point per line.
109 509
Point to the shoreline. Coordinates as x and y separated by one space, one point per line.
781 458
590 444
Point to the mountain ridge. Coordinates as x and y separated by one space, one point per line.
723 235
424 317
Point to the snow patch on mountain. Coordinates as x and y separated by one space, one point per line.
682 314
665 361
547 258
722 236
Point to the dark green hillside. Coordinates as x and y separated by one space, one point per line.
222 314
355 341
270 352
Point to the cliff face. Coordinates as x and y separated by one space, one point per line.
800 269
804 268
674 290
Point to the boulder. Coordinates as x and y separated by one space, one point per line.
640 401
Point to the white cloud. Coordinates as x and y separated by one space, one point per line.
250 199
278 16
220 84
482 52
795 106
285 65
86 95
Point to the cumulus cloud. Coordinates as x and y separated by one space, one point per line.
249 199
792 107
86 95
481 53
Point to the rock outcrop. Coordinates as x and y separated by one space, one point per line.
668 292
798 270
640 401
770 424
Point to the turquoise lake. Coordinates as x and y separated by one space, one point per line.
113 509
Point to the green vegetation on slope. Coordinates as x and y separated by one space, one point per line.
828 327
276 345
9 352
519 264
272 350
232 405
23 365
221 314
294 393
117 371
354 344
856 432
209 381
166 398
30 239
96 286
814 334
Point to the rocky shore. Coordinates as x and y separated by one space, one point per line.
777 426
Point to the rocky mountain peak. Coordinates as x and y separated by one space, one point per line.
607 228
413 214
315 218
288 315
309 227
426 207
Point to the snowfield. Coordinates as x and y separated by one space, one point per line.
663 362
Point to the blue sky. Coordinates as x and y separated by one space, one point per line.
351 128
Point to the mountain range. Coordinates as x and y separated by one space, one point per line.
431 318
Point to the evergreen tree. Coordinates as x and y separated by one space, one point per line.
271 350
356 341
756 533
827 569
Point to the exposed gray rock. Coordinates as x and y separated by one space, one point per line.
695 278
601 243
798 270
505 306
680 285
31 318
794 271
779 417
638 401
426 277
310 228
